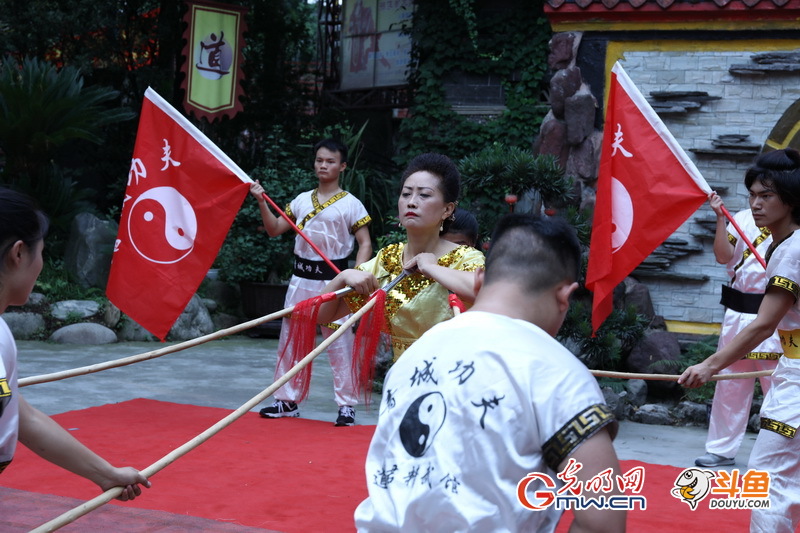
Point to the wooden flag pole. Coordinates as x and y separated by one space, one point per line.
300 232
743 236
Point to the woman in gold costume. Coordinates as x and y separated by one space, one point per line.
430 188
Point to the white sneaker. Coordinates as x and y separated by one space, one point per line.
712 459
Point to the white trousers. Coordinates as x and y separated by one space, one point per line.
780 456
340 357
730 410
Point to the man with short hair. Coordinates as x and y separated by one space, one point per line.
484 399
334 220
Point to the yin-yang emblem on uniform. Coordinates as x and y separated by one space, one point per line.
422 421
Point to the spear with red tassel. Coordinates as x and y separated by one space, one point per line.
365 346
456 304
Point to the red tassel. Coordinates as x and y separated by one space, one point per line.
365 346
456 303
301 341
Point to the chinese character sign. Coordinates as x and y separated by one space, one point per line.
213 57
182 196
646 188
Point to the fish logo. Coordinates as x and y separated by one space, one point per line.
693 485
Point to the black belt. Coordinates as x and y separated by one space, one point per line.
318 270
741 302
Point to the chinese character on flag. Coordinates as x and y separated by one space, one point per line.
646 188
182 195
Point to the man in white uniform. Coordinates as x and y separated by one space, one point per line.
334 220
484 399
730 410
777 447
774 185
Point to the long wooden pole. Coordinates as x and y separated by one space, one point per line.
674 377
107 496
80 371
55 376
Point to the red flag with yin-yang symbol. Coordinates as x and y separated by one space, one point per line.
646 188
182 195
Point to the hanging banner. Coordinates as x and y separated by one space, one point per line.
213 57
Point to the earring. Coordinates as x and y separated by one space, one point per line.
441 227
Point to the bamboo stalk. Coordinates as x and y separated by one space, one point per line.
73 514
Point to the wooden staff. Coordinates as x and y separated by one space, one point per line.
674 377
90 369
107 496
80 371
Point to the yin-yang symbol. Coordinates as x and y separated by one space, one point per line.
621 214
162 225
422 421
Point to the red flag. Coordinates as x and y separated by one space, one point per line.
182 196
646 188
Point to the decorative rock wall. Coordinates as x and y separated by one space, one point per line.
724 109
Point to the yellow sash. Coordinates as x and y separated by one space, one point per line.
790 340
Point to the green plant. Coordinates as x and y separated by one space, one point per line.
374 188
613 340
248 253
394 235
55 283
443 50
43 109
73 317
498 170
695 353
46 116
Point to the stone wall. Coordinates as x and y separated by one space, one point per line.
748 105
734 108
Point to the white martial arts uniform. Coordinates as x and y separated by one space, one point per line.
9 396
730 410
331 229
777 448
472 407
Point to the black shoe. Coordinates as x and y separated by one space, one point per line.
347 416
280 409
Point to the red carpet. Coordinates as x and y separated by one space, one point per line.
290 475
